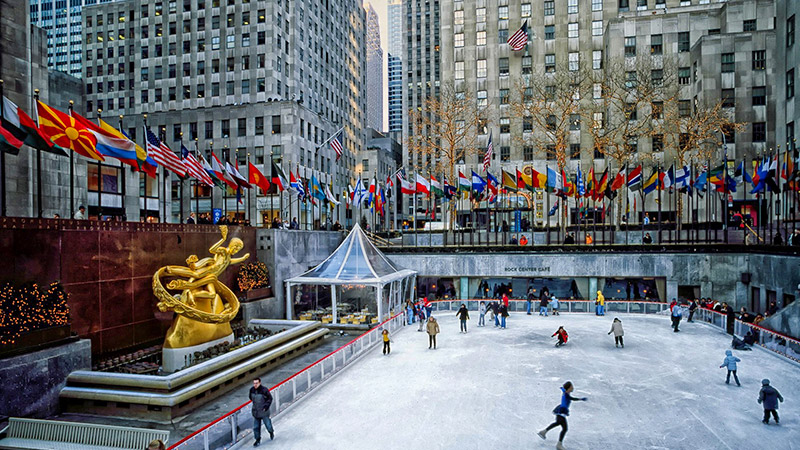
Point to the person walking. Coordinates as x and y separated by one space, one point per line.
386 341
601 304
261 399
677 313
616 328
409 313
562 336
503 314
505 299
428 307
543 306
730 362
769 397
562 411
692 309
433 330
463 316
554 305
482 314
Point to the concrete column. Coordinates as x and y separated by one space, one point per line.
378 295
333 304
592 288
289 309
672 290
464 292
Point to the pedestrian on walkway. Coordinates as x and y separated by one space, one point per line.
421 317
433 330
482 312
261 400
730 362
463 316
562 411
769 397
386 341
616 328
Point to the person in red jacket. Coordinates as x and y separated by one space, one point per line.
562 336
505 300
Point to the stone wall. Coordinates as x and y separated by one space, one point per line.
32 382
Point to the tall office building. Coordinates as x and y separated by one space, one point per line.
256 81
61 19
788 71
395 67
374 71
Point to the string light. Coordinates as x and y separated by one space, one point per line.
30 308
252 276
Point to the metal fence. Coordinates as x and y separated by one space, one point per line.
566 306
234 426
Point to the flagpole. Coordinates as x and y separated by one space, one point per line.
39 206
211 149
71 177
180 189
547 199
659 186
196 188
3 163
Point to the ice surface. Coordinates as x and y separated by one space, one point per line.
493 389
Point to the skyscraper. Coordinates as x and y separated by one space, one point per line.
395 67
374 71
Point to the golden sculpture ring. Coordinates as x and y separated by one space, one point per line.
183 303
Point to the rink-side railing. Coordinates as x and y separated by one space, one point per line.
782 345
227 430
565 306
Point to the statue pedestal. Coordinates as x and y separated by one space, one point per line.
174 359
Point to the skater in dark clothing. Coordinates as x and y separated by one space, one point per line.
677 313
769 397
503 311
386 341
731 316
543 306
261 400
616 328
463 315
562 411
692 308
495 308
562 336
730 362
433 330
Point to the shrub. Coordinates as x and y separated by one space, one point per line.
30 307
252 276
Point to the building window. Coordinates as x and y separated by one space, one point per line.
572 7
759 60
630 46
276 124
480 15
504 96
656 44
459 70
597 28
574 62
624 5
641 5
502 35
572 29
630 79
527 124
759 132
684 108
549 32
790 84
597 121
790 31
505 153
549 7
728 98
728 62
574 122
683 41
597 59
502 12
749 25
525 10
657 110
597 91
482 98
657 143
480 38
631 113
481 68
526 65
505 125
550 63
657 77
527 153
503 66
684 75
458 17
459 40
759 95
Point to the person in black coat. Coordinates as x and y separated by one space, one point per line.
769 397
692 309
262 400
463 316
495 307
731 315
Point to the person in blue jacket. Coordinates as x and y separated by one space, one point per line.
730 362
768 397
562 411
677 313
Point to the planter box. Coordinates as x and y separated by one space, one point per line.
256 294
37 339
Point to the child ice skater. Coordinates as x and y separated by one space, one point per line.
562 411
386 341
730 362
562 336
616 328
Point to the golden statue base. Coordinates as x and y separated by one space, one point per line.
175 359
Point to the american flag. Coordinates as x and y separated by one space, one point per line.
487 158
194 168
336 144
519 39
163 155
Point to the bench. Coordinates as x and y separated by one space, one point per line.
49 434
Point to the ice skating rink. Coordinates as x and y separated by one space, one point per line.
493 389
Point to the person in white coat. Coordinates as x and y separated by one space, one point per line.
616 328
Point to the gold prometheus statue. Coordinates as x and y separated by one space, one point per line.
205 306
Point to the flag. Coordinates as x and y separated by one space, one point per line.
553 182
279 178
449 189
493 185
108 145
358 193
237 177
478 183
682 178
194 168
65 132
436 187
524 181
772 175
635 178
591 192
307 190
207 168
316 189
297 186
487 158
220 172
539 179
553 210
619 180
463 182
519 39
581 185
567 188
163 155
405 186
336 144
700 183
669 178
602 186
331 198
717 175
651 184
509 183
143 162
371 192
423 186
257 178
17 128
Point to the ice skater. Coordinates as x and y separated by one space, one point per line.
494 306
562 411
554 305
386 341
543 306
482 314
677 313
600 304
463 316
503 312
562 336
730 362
769 397
616 328
433 330
421 317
